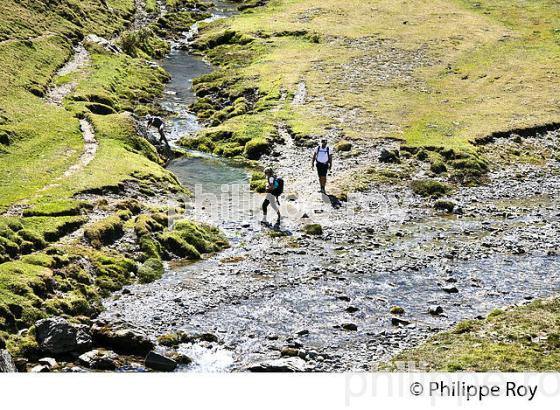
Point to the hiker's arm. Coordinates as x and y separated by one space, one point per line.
313 160
330 161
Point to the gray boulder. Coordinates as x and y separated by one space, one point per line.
159 362
48 361
57 336
6 362
283 365
99 359
122 338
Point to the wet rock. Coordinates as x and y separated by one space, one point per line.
73 369
159 362
48 361
395 321
99 359
180 358
207 337
352 309
21 364
350 327
435 310
283 365
40 369
303 332
57 336
121 338
7 364
450 289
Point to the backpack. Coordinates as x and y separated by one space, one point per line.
278 187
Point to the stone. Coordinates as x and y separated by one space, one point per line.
57 336
303 332
450 289
21 364
40 369
395 321
180 358
121 338
106 44
435 310
352 309
350 326
7 364
48 361
99 359
159 362
283 365
289 351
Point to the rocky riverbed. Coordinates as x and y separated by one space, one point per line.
386 272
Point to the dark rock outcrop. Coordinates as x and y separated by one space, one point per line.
57 336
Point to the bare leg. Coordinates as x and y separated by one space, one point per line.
323 182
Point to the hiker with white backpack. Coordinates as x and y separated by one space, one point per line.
322 156
274 188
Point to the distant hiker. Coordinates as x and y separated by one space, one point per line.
158 123
323 157
274 188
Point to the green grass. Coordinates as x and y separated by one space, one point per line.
459 87
518 339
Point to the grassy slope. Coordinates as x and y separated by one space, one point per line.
451 70
41 141
38 142
525 338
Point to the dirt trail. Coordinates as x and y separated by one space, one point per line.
56 94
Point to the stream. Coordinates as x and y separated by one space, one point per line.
329 297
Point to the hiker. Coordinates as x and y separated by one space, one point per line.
323 157
158 123
274 188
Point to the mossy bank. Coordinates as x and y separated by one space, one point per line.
72 231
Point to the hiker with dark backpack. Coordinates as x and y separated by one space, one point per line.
322 156
274 188
158 123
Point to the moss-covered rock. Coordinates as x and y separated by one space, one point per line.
343 146
313 229
444 205
430 188
256 148
150 270
104 232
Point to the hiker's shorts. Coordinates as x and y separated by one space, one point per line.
322 169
